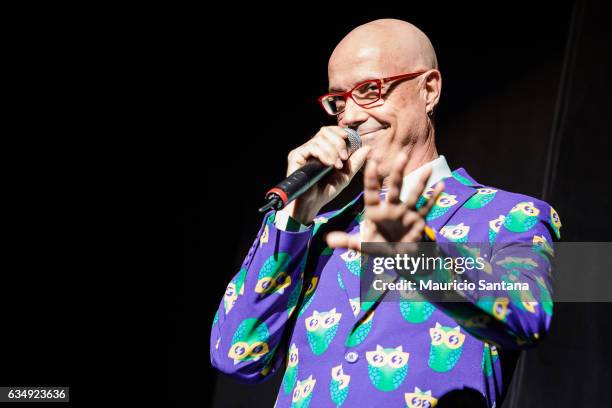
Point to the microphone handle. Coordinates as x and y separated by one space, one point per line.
299 181
304 178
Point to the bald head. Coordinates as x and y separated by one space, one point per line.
396 45
401 117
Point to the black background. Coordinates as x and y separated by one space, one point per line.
133 177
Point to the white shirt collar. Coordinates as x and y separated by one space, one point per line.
439 170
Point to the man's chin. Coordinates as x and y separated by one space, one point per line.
369 139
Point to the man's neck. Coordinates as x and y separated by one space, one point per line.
419 155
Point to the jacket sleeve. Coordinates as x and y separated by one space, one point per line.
247 332
520 251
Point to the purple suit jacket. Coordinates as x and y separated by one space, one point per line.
295 306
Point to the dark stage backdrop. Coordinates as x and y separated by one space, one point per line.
524 108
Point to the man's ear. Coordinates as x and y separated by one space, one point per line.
432 89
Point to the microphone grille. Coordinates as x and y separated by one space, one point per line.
354 140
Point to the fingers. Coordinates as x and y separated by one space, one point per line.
409 218
396 177
416 232
328 146
371 184
414 223
357 159
339 239
424 210
326 152
419 188
337 138
334 143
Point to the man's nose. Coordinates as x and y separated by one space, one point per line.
353 115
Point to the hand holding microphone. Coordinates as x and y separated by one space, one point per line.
317 172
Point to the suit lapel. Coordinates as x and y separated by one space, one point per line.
458 189
350 271
350 264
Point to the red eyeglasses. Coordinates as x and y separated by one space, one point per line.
364 94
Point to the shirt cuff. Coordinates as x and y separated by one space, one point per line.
284 222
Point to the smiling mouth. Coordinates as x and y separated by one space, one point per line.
368 136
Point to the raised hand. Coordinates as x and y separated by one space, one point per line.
389 220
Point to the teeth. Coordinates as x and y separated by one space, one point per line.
373 131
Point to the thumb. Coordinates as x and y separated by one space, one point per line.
357 159
338 239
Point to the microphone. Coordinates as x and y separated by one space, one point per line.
305 177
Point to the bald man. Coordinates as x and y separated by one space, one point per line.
295 304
